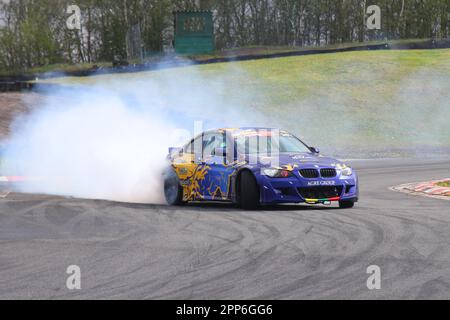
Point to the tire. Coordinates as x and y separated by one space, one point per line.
249 191
346 204
173 192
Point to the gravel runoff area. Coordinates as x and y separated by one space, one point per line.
12 104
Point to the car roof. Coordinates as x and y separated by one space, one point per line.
234 131
247 128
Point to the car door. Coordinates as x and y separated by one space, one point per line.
217 178
190 169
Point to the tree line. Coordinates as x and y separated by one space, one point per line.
35 33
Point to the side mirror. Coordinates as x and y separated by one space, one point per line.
220 152
314 150
175 151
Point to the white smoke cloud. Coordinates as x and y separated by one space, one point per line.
109 140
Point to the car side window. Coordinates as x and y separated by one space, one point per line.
188 148
211 142
195 146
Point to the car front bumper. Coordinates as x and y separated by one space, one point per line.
297 189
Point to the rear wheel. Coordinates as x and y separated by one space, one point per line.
346 204
173 191
249 193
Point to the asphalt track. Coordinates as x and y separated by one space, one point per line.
206 251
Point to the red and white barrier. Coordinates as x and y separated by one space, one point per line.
431 188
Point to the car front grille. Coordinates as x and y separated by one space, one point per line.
328 173
309 173
322 192
314 173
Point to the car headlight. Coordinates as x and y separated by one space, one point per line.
345 171
277 173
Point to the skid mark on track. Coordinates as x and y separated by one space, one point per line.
205 251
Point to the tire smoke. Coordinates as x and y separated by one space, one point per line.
110 140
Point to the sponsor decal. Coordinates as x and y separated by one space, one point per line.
185 183
321 183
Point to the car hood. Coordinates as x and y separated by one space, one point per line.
306 160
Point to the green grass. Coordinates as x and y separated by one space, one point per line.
235 52
304 73
366 100
444 184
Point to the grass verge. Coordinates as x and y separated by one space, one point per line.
364 101
444 184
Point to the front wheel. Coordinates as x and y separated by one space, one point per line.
173 192
249 191
346 204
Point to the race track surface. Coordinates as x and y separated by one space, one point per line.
206 251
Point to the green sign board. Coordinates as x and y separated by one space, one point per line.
194 32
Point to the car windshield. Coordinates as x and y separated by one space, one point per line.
284 143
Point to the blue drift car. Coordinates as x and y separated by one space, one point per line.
253 167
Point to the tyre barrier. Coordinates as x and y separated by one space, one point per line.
17 86
9 86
